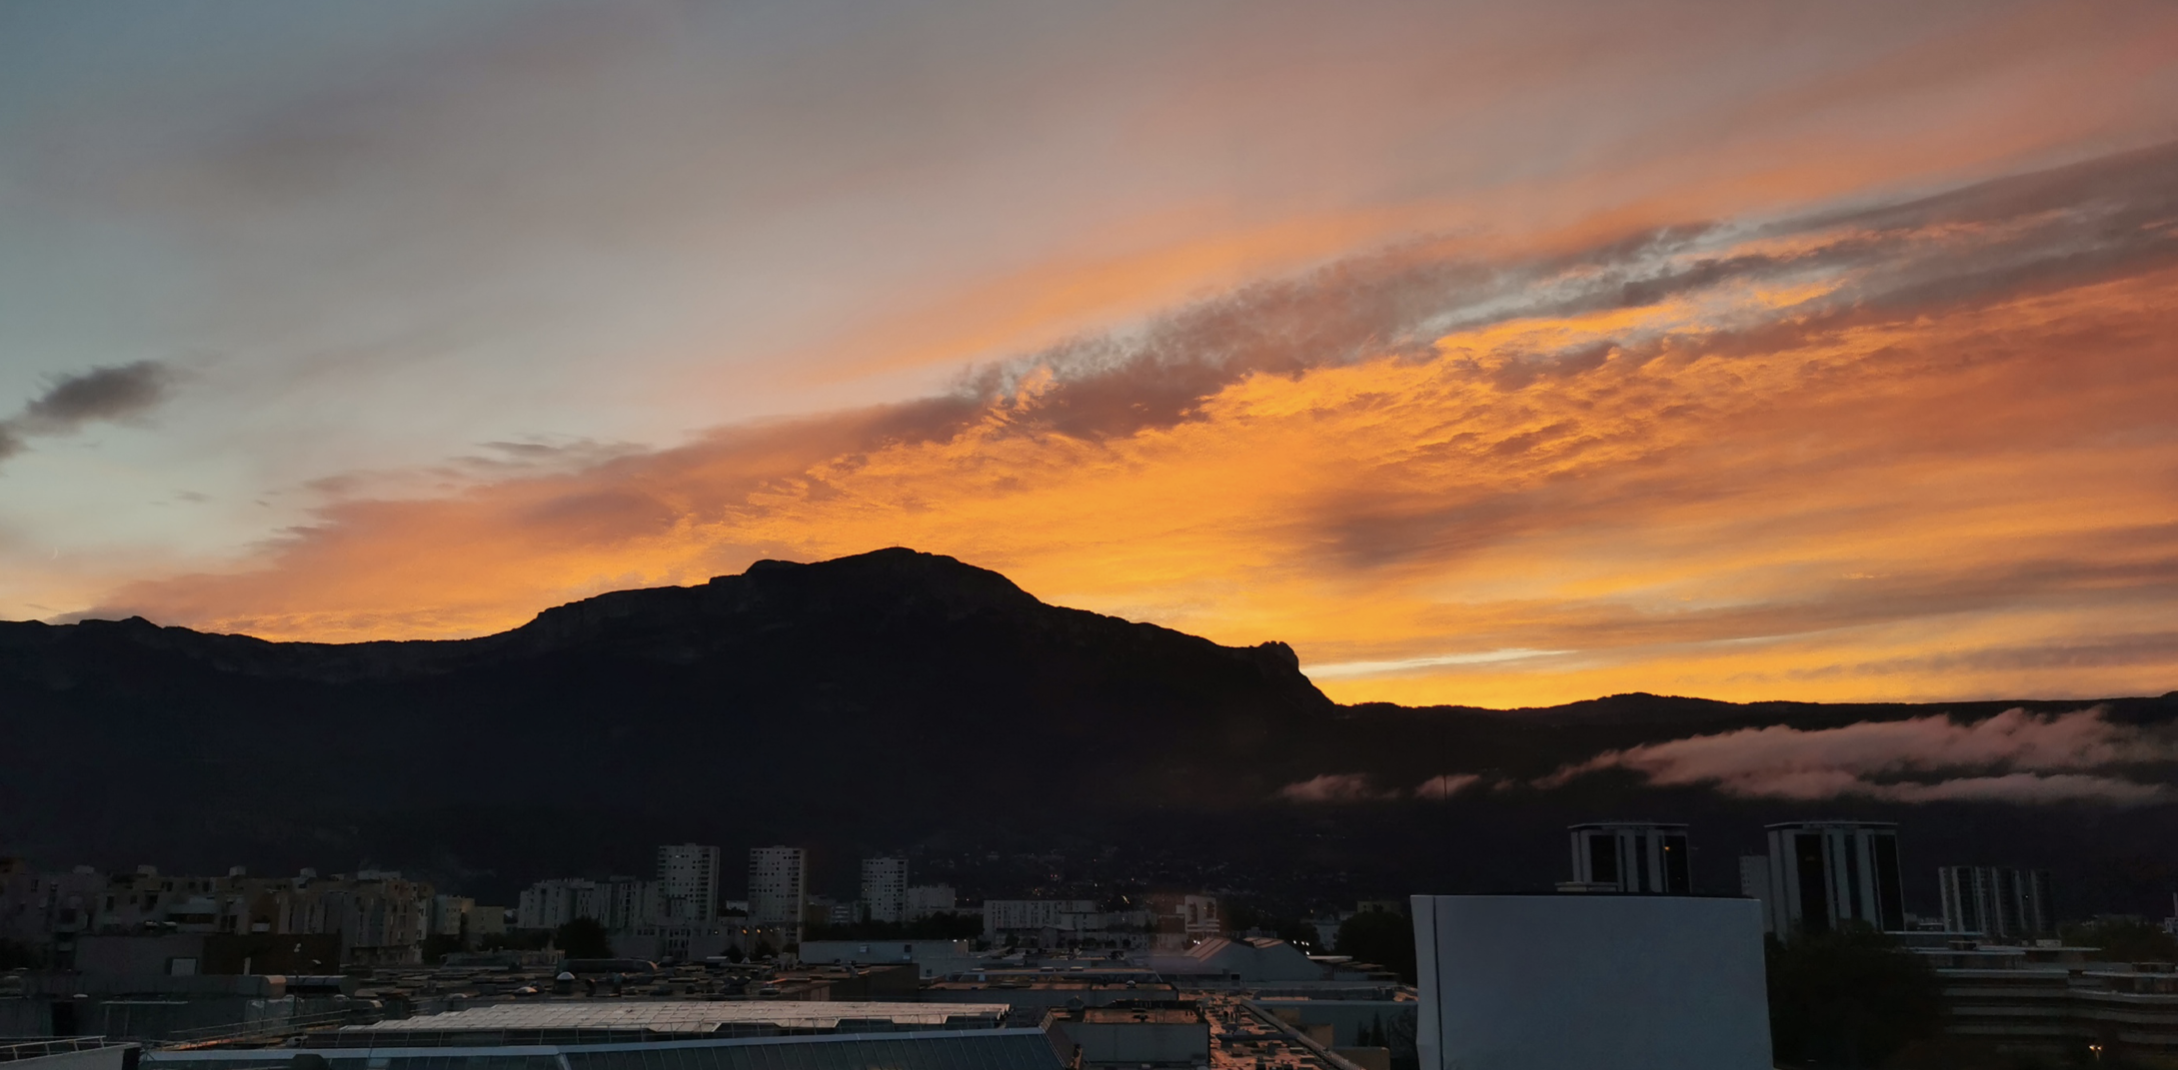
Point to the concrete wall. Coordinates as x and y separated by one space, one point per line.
22 1017
140 956
1139 1043
145 1007
208 954
1590 982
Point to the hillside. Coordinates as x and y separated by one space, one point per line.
884 701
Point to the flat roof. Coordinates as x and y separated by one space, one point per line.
1834 823
1132 1015
695 1017
1060 985
980 1049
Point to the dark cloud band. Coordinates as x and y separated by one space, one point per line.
109 392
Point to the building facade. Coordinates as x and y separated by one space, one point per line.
450 915
926 900
1181 920
1020 917
1998 902
778 889
1075 923
2055 1004
1827 874
549 904
627 904
1754 883
617 904
379 917
884 889
688 883
1634 857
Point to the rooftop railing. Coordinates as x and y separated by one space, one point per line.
15 1050
270 1028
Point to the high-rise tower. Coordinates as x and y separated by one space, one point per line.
778 886
687 883
884 888
1635 857
1824 874
1996 901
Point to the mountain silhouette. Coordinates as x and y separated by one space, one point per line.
883 701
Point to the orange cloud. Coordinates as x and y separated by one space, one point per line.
1922 450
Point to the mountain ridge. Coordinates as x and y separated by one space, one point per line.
887 700
615 614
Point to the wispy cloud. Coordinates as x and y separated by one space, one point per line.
2014 756
1335 788
1448 785
1342 788
1346 669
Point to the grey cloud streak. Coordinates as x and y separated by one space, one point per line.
111 392
1343 788
2100 218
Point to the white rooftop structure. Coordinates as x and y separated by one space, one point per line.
694 1018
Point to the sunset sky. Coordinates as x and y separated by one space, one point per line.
1495 354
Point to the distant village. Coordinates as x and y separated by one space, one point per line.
258 968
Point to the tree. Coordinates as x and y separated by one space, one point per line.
2123 940
1382 937
584 938
1241 917
439 945
1850 998
518 940
1298 932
